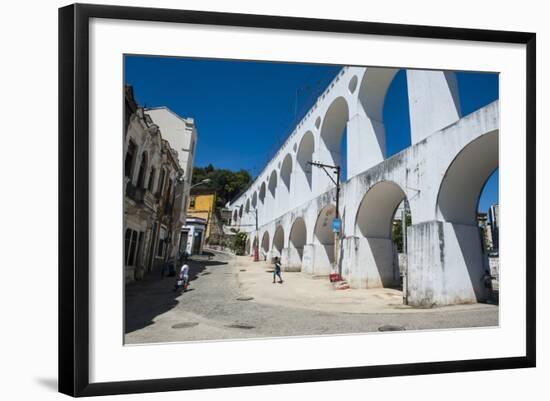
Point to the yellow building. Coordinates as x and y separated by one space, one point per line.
202 202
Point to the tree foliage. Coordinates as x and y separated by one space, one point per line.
397 231
226 183
239 243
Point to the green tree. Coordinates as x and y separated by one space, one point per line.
239 243
397 231
226 183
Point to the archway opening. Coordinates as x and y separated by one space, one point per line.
396 115
380 208
278 242
265 245
333 132
254 199
305 155
272 185
465 178
262 192
298 237
286 171
472 172
235 215
372 95
241 211
324 238
247 207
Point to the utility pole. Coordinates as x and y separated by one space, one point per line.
337 223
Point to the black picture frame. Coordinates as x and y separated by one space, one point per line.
74 198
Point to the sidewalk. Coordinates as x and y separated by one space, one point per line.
317 293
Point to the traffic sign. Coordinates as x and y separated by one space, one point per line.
336 225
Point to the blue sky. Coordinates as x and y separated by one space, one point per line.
245 110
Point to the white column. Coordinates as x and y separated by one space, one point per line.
434 102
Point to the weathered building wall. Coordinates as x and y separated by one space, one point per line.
154 192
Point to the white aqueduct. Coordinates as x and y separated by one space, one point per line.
441 175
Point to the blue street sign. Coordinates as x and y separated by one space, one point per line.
336 225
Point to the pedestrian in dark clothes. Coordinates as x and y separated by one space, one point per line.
277 270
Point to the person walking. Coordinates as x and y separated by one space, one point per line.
277 270
183 278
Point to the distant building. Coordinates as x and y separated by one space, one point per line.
202 204
494 222
193 236
486 233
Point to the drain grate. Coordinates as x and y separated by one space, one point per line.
390 327
245 298
185 325
242 270
241 326
205 273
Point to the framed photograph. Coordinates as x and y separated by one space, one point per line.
276 199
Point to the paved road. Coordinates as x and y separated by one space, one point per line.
211 310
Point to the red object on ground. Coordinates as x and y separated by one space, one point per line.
335 277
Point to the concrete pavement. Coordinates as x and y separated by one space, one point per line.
233 297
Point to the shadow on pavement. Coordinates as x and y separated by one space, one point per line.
146 299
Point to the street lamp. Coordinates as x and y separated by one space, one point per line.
205 181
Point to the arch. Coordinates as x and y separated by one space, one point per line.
262 192
286 171
278 241
372 91
298 236
241 211
373 223
235 215
255 199
332 129
265 243
323 226
323 237
247 206
272 185
465 178
375 214
305 155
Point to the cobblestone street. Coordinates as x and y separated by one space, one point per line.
232 297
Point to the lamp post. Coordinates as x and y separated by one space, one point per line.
337 224
205 181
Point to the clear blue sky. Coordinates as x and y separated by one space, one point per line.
245 110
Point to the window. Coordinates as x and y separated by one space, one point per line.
169 190
151 183
142 169
131 247
127 239
162 242
161 181
192 202
129 160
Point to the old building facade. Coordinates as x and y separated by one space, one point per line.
202 204
155 193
